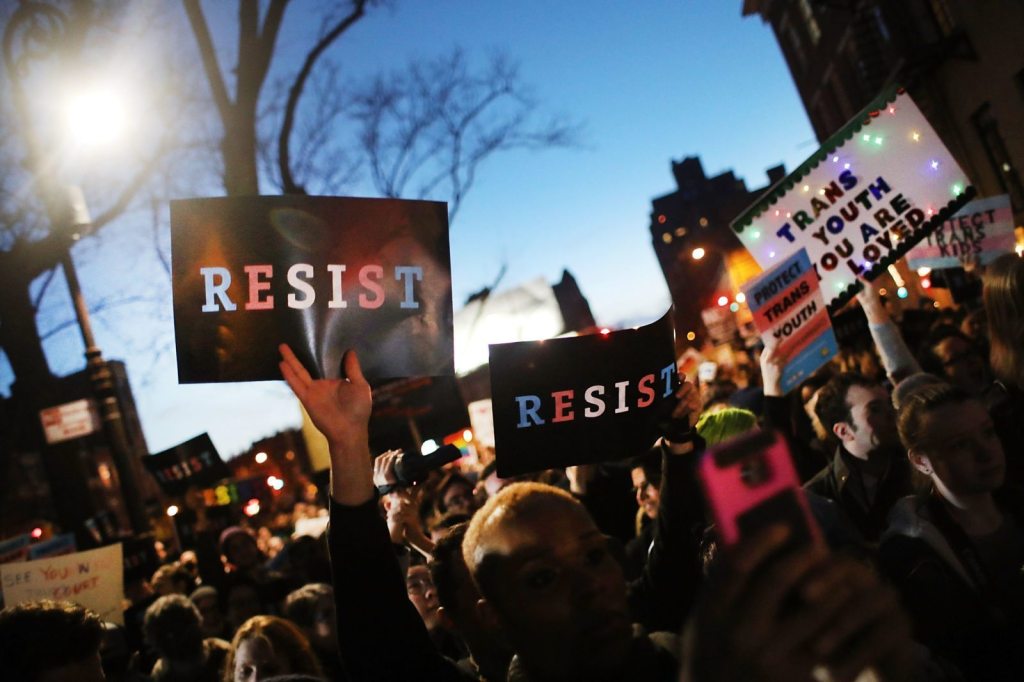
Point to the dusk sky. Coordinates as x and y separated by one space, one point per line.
651 82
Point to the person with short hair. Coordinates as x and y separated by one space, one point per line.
489 654
949 353
869 470
454 494
211 618
50 641
548 581
171 579
172 628
311 608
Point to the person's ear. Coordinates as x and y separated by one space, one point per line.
842 431
921 462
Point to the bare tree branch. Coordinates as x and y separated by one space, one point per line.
288 182
208 55
435 125
96 308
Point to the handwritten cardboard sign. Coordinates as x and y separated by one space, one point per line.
93 579
580 400
790 314
874 189
322 274
194 462
983 228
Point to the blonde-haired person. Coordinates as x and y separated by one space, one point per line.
1004 306
268 646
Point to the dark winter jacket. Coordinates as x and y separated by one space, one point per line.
958 610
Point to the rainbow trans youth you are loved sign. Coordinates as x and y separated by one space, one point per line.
874 189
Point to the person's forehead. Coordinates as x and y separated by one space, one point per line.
550 529
861 395
948 421
255 649
950 344
457 487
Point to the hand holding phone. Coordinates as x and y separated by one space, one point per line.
750 484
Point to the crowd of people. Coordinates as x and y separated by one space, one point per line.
910 445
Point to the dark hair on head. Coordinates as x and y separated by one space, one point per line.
39 636
930 361
452 478
171 625
818 378
284 638
447 557
300 605
1004 303
232 582
832 407
918 405
650 462
450 520
719 391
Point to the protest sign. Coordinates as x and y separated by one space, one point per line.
139 558
481 419
233 492
580 400
322 274
982 229
58 545
192 463
93 579
790 313
407 412
15 549
851 327
874 190
314 527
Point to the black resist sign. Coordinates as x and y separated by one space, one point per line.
580 400
194 462
322 274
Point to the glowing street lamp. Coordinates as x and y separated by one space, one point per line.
35 32
95 117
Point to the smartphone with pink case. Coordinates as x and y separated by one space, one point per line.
750 483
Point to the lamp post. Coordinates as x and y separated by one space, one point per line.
37 31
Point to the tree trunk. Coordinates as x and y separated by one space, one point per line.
241 177
19 336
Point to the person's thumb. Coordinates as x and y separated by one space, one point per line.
350 365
